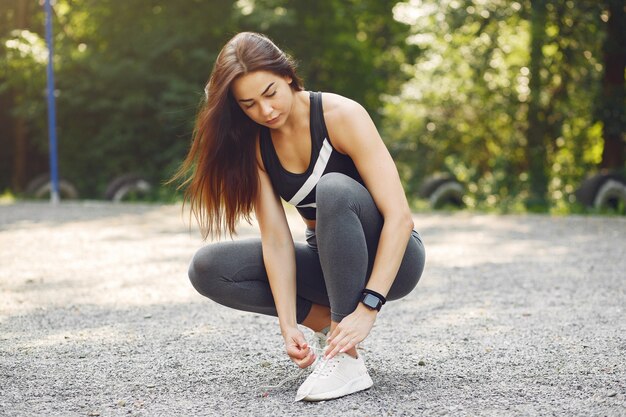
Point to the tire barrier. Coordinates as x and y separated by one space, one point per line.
442 190
602 191
40 187
126 185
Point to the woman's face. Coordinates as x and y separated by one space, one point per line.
265 97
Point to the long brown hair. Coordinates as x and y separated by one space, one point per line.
220 171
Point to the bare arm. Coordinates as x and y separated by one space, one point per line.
278 251
353 133
280 264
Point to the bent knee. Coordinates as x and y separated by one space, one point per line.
203 271
334 182
410 271
336 189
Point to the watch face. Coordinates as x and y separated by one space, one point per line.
371 300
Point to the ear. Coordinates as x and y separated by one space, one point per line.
288 79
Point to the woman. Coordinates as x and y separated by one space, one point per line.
261 137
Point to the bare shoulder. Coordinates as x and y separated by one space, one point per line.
345 119
338 108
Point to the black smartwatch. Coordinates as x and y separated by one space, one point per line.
372 299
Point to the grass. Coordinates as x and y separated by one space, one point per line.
7 197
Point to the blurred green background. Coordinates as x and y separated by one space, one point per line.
519 101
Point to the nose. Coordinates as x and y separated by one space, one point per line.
266 108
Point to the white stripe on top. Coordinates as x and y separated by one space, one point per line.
318 170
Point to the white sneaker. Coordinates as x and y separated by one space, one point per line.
318 343
317 346
334 378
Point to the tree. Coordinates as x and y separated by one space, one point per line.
511 126
354 48
130 75
536 135
612 99
22 77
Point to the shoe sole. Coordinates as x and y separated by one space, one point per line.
358 384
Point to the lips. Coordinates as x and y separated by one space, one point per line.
272 121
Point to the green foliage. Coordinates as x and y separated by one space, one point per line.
23 72
466 111
454 85
354 48
130 82
130 75
7 197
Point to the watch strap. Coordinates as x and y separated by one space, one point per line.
382 298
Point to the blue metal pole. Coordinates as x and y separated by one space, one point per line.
52 131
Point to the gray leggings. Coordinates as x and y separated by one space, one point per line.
332 268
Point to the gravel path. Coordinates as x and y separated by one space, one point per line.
515 315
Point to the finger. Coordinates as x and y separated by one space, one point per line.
303 354
297 353
332 353
339 336
336 331
337 346
331 344
306 361
333 335
352 343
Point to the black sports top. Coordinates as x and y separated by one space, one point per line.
299 189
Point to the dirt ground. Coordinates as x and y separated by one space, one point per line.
515 315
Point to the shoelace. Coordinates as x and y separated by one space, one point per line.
319 352
326 366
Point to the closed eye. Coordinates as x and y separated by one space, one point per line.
249 106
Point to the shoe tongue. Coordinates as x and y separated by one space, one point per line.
321 340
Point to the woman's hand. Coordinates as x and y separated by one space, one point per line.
297 348
352 330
